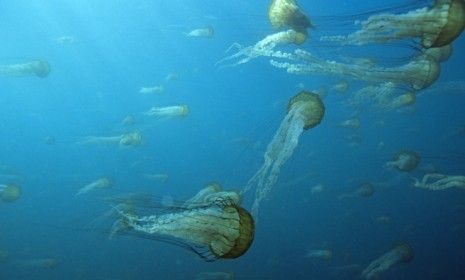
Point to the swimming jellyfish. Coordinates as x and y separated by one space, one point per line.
206 32
322 254
287 14
437 182
9 193
168 112
364 190
151 90
405 161
215 276
264 47
400 254
435 26
305 111
102 183
159 177
40 68
4 254
48 263
126 139
213 225
352 123
419 73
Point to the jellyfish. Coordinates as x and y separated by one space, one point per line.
364 190
321 254
214 225
168 112
66 39
9 193
317 189
403 100
405 161
215 276
438 182
127 139
402 253
152 90
160 177
419 73
40 68
206 32
287 14
341 86
48 263
4 254
436 26
352 123
128 120
305 111
102 183
265 47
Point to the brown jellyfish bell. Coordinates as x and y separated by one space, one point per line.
212 224
287 14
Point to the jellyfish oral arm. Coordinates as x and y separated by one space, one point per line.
277 153
436 182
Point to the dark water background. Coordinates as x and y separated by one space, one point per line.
124 45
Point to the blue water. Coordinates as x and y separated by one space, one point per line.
121 46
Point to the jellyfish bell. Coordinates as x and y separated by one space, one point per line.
311 108
9 193
214 225
454 23
207 32
287 14
41 68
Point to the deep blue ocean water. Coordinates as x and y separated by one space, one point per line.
117 47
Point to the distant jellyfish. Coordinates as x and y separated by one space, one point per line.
9 193
363 190
305 111
40 68
435 26
206 32
322 254
319 188
401 101
215 276
340 87
152 90
438 182
46 263
211 224
102 183
352 123
402 253
405 161
128 120
127 139
159 177
287 14
168 112
4 254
